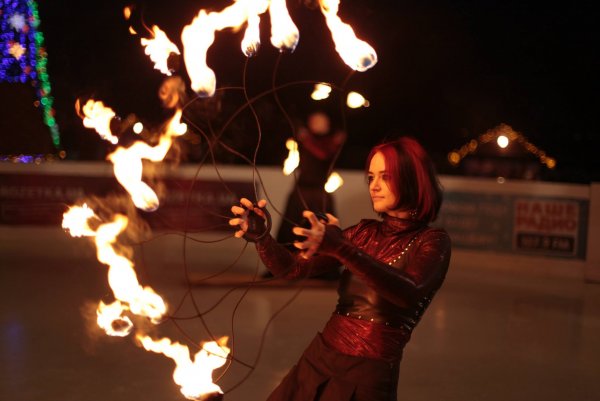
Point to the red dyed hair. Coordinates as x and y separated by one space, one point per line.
412 177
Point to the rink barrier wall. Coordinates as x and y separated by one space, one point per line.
527 226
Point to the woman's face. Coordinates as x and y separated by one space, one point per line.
384 200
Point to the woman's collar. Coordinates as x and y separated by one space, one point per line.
393 224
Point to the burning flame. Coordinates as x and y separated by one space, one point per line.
333 182
284 33
98 117
197 38
200 35
128 165
251 41
354 100
159 48
142 301
76 221
194 375
110 318
357 54
321 92
293 159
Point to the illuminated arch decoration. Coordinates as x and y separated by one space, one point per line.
499 133
24 59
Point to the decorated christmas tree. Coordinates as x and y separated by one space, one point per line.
28 129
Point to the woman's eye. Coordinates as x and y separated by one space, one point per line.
369 179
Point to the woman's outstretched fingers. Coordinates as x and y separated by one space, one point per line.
236 221
308 248
301 231
246 203
312 218
331 219
237 210
241 219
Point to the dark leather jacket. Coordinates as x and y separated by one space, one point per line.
392 267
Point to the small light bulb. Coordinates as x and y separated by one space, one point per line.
138 127
502 141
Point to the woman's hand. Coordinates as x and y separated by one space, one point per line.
314 234
242 212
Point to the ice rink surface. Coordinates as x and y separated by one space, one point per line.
491 334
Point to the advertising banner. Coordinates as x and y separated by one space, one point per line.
40 199
516 223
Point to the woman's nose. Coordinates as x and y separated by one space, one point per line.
375 185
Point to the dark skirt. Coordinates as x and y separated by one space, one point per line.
323 374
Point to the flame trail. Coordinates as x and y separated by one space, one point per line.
354 100
193 375
142 301
111 319
199 35
284 33
127 162
159 48
357 54
293 160
320 92
333 182
98 117
251 40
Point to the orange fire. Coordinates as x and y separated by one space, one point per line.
320 92
193 375
159 48
357 54
199 35
142 301
128 166
97 116
293 159
284 34
197 38
251 40
112 320
333 182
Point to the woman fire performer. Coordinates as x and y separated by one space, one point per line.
393 268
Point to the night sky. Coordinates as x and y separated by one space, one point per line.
448 71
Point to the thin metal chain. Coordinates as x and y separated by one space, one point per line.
397 258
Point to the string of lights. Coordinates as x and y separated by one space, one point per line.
503 134
24 59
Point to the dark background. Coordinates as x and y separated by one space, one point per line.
448 71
